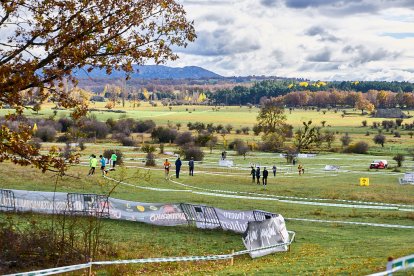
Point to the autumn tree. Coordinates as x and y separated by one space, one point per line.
306 136
44 41
363 104
271 116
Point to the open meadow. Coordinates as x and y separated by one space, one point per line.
326 246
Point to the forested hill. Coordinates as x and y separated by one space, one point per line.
268 88
151 72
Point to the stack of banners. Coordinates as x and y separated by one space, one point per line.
173 214
266 233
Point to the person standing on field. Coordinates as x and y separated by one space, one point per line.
274 170
258 175
114 158
177 167
265 175
253 173
191 166
167 168
103 164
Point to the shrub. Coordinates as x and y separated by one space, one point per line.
256 130
36 143
65 124
397 134
94 128
125 126
150 159
144 126
364 123
184 138
164 135
379 139
46 133
127 141
359 147
399 158
63 138
346 140
238 131
161 148
147 148
108 152
398 122
245 130
190 150
82 144
272 142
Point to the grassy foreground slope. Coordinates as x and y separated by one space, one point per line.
320 248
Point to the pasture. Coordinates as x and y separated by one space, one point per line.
320 248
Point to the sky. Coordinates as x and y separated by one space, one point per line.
311 39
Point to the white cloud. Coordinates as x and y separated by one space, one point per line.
316 39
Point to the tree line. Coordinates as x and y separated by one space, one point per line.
242 95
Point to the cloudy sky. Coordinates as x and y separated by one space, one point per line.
314 39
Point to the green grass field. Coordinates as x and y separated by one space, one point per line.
319 249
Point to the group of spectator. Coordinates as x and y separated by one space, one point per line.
178 165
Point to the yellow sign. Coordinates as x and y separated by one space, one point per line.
364 181
35 127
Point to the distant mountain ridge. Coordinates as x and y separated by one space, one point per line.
152 72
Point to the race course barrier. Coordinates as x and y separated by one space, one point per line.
89 265
403 263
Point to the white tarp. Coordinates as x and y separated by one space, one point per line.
225 163
331 168
266 233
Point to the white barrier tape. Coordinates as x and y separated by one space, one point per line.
402 263
52 271
145 187
355 223
299 200
302 200
298 219
64 269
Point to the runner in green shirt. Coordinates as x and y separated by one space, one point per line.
92 163
114 157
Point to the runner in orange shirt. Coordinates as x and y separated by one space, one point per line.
167 166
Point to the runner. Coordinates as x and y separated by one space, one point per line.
167 168
103 164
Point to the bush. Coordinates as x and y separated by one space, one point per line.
144 126
272 142
108 152
346 140
94 128
190 150
36 143
124 126
399 158
46 133
63 138
161 148
364 123
65 124
184 138
147 148
127 141
397 134
164 135
380 139
150 159
245 130
359 147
